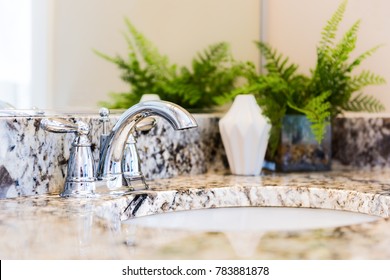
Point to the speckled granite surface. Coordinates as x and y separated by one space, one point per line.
33 161
362 140
48 227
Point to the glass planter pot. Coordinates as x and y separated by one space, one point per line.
299 150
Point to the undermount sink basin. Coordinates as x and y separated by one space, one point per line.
253 219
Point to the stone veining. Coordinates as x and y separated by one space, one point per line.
92 229
362 141
34 161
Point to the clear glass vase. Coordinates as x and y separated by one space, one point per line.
299 150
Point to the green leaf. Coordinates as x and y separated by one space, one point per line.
342 50
317 112
329 90
363 102
276 64
362 57
330 30
333 68
365 78
209 81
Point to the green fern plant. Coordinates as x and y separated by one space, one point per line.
210 79
144 69
333 71
331 88
208 82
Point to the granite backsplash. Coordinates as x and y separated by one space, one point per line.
33 161
362 141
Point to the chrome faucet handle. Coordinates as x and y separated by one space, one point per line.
146 124
80 178
63 126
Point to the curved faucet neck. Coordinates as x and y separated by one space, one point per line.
112 151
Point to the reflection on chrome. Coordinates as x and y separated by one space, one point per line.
118 161
112 151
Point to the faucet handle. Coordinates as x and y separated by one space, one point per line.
143 126
146 124
80 178
63 126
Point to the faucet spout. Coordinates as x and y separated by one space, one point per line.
112 151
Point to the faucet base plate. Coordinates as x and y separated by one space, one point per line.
79 190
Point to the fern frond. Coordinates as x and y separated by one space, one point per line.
363 102
329 31
209 82
130 44
156 62
333 71
147 50
106 57
365 78
347 44
277 116
214 54
362 57
211 79
276 63
317 112
272 107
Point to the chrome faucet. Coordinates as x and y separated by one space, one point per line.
118 158
110 164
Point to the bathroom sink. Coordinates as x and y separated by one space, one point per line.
256 219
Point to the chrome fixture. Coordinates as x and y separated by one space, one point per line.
131 166
112 151
6 106
119 163
80 178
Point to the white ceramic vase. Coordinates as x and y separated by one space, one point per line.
245 133
149 97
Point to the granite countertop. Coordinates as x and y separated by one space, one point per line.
49 227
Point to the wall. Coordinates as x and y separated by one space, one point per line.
180 28
15 45
294 28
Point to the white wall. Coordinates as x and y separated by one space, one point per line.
15 45
180 28
294 28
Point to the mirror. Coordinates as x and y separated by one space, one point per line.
67 75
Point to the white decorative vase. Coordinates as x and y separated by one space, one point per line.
149 97
245 133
